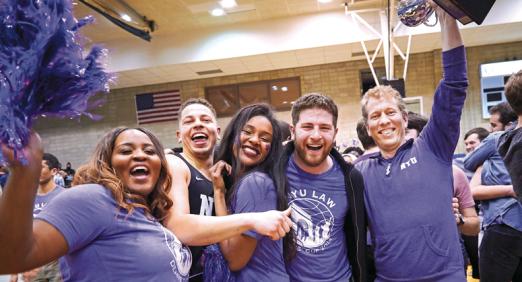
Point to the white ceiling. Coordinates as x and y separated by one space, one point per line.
263 35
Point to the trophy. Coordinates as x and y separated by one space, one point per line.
416 12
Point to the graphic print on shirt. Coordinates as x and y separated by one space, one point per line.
182 258
312 219
38 207
207 204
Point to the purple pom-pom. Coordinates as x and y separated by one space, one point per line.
43 71
216 267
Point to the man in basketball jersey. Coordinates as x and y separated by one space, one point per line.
198 132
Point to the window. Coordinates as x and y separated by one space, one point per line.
224 99
283 92
414 104
251 93
228 99
493 77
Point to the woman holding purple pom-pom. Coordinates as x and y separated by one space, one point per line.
109 227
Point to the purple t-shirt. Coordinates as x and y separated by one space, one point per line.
106 244
319 207
256 193
42 200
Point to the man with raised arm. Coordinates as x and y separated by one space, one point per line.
409 184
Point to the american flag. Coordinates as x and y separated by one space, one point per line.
157 107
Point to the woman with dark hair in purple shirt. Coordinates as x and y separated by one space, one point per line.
246 179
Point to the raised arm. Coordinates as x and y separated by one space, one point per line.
441 134
449 29
24 245
196 230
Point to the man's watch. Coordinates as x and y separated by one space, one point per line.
461 220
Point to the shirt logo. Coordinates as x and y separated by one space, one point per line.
409 163
198 178
313 220
207 204
182 258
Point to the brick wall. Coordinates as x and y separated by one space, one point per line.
74 141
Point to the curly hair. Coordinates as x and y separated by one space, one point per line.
99 170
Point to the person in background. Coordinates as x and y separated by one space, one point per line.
502 117
473 137
502 213
68 178
351 154
58 178
47 191
510 143
366 141
510 148
285 130
472 140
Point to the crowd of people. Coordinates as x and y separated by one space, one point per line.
262 206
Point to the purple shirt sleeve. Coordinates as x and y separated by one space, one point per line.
461 189
81 214
255 193
442 131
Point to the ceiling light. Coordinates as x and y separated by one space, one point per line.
227 4
274 87
284 88
123 15
217 12
126 18
324 1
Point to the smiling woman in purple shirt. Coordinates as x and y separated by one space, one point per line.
109 228
250 147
